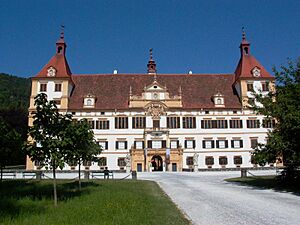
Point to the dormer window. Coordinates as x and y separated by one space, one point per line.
218 100
89 101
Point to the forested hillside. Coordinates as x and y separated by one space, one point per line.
14 101
14 91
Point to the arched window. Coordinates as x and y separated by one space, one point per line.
246 51
89 102
219 101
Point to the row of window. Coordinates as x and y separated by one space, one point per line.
188 144
139 122
264 85
57 87
223 160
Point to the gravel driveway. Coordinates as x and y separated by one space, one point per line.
206 199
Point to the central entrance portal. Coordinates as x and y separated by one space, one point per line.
157 163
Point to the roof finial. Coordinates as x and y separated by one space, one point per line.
151 55
62 33
243 33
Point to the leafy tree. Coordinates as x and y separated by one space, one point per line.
47 133
10 145
283 105
82 146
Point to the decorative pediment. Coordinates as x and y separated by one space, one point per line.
51 71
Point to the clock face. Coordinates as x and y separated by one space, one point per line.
51 72
256 72
155 96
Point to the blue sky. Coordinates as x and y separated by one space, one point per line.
202 36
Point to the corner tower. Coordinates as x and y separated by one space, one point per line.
250 75
55 78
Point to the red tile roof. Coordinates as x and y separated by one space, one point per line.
60 63
112 90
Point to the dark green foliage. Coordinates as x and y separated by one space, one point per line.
284 106
14 92
10 145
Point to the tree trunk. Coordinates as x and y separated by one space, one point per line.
54 185
79 180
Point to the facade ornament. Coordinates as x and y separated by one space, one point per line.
256 72
195 159
51 72
155 110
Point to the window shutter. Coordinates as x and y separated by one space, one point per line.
168 122
106 145
203 144
241 124
185 143
134 144
212 144
143 145
226 123
149 144
232 143
217 144
177 144
202 124
125 144
241 143
117 145
194 144
226 143
178 123
164 144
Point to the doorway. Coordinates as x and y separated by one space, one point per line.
157 163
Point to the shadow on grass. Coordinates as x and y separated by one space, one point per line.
267 182
31 197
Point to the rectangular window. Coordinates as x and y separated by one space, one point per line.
236 143
121 122
189 144
223 160
189 122
208 144
206 124
57 101
138 122
57 87
121 162
174 144
268 123
156 144
254 142
86 163
103 144
222 143
250 87
43 87
173 122
121 145
189 161
102 161
139 145
252 123
156 123
265 86
91 123
237 160
209 160
102 124
221 124
236 123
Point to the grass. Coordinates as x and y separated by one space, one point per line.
99 202
267 182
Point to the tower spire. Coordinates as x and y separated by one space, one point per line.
151 63
60 44
62 32
245 45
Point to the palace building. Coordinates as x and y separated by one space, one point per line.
162 122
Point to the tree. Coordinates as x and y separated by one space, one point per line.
47 132
81 144
283 105
10 145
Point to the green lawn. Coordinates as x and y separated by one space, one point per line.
267 182
99 202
